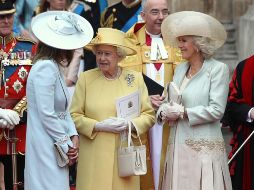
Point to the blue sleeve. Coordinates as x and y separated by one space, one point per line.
47 74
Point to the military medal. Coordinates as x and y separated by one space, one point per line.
22 73
17 85
157 76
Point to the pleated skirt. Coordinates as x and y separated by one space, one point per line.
186 168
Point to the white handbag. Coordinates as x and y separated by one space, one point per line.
61 158
131 159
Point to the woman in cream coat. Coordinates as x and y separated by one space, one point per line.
94 112
49 121
196 157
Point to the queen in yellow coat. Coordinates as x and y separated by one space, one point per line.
94 112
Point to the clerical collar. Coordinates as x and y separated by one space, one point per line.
133 4
152 35
6 39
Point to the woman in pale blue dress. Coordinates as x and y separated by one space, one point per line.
49 121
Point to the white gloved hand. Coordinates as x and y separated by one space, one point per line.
12 117
113 125
5 125
172 111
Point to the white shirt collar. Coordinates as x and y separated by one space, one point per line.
152 35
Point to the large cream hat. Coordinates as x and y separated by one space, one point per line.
110 36
62 29
192 23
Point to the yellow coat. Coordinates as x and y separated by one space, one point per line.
93 101
136 38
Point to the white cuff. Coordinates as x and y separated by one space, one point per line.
248 117
64 143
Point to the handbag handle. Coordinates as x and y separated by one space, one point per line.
129 140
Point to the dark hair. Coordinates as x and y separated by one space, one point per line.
47 52
44 5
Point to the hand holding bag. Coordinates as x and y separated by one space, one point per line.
61 157
131 159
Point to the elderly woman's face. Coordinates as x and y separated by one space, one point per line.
107 58
187 47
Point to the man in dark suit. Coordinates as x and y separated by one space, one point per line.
122 15
239 115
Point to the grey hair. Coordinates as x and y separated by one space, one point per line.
119 51
205 45
143 5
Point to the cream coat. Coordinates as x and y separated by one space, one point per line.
93 101
196 157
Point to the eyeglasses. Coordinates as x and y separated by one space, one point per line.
8 16
105 53
156 12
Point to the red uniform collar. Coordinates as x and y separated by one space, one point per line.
6 40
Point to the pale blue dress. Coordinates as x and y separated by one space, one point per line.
48 121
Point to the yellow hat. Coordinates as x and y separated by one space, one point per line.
113 37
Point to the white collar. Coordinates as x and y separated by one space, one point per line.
153 35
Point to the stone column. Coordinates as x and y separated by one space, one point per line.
223 11
246 30
186 5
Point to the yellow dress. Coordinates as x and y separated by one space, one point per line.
94 100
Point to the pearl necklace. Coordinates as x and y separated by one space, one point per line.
113 78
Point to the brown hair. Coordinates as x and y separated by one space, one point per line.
47 52
44 5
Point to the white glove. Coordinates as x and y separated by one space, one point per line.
171 111
113 125
12 117
5 125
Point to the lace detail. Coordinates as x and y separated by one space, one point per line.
63 140
205 144
62 115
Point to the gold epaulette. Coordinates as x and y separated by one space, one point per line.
21 106
107 22
22 39
37 10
